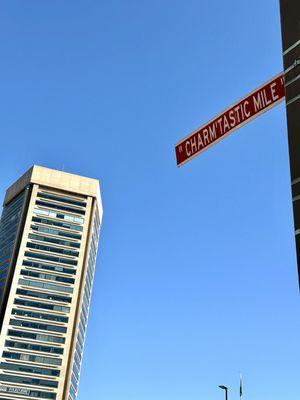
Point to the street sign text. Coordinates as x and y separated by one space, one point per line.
248 108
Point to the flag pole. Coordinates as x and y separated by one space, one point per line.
241 386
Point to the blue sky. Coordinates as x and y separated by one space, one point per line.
196 276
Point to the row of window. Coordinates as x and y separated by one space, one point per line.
34 347
84 309
74 382
60 207
29 393
76 371
45 306
50 277
49 267
33 314
36 336
79 347
47 296
30 369
37 325
60 224
52 249
61 199
6 253
31 358
52 214
56 232
11 211
42 395
28 381
51 258
4 265
72 392
48 286
60 242
8 229
3 274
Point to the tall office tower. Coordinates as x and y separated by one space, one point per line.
290 23
48 244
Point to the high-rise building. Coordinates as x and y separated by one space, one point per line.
49 234
290 24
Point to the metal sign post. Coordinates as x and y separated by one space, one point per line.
290 24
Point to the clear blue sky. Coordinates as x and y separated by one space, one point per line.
196 276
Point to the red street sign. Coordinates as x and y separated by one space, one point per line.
237 115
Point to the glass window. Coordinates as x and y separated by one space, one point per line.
61 199
52 231
53 214
31 369
35 325
50 258
52 249
51 277
28 381
72 392
31 358
42 395
73 380
46 306
48 286
48 267
40 295
34 347
59 207
35 336
8 229
60 242
61 224
38 315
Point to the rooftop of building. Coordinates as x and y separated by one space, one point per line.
55 179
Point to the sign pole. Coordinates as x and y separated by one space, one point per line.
290 26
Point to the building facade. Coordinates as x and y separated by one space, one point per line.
290 24
49 233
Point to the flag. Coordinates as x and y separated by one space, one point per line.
241 386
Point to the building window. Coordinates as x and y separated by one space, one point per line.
61 199
52 249
28 381
35 325
51 258
49 277
34 347
59 207
66 225
48 286
48 267
47 296
31 358
46 306
30 369
36 336
38 315
60 242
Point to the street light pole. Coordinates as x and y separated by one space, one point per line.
226 390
